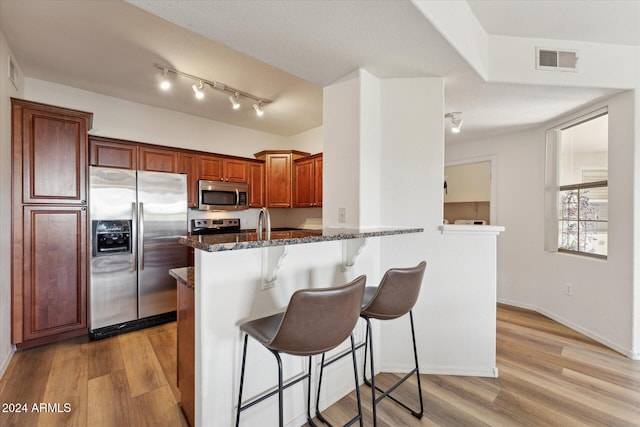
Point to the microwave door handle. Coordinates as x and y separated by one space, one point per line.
237 198
134 227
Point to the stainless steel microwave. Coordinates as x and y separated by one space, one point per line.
222 196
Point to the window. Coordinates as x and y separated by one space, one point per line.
578 186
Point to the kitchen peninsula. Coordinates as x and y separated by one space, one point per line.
238 277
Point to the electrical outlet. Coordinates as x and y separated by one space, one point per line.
342 214
568 289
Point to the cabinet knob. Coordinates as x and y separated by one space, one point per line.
84 202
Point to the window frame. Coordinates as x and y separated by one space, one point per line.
579 187
553 188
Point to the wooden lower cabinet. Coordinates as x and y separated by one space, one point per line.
186 349
54 276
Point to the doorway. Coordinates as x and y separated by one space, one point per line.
469 192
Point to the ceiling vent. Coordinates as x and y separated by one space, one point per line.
558 60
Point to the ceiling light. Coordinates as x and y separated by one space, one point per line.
259 111
456 121
198 86
197 89
233 99
163 79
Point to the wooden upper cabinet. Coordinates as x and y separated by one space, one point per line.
278 175
217 168
256 185
109 154
187 165
53 151
235 170
158 159
307 182
317 179
209 167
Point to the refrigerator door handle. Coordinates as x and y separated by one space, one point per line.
141 235
134 226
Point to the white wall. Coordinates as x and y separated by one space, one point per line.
602 302
118 118
384 145
7 90
470 182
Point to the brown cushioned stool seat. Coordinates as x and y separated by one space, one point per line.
315 321
393 298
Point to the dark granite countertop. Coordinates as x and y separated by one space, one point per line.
183 275
249 239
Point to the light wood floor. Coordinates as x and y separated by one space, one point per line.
549 376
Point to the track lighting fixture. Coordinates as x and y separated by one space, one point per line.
163 79
235 97
456 121
258 109
197 89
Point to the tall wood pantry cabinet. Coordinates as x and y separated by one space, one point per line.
49 221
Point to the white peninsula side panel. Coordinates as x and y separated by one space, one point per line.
228 291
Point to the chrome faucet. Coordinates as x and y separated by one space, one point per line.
264 224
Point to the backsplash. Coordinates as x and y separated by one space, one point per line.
309 218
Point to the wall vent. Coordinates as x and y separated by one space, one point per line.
13 73
558 60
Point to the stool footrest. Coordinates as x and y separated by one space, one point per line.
387 393
273 392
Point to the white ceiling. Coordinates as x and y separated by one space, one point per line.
288 50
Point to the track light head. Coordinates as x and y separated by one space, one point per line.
456 121
258 109
163 79
233 99
197 90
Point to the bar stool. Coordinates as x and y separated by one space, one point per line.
315 321
394 297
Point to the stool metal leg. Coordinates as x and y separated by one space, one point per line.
244 359
415 355
358 417
280 389
386 393
372 382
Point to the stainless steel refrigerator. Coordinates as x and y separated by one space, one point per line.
136 220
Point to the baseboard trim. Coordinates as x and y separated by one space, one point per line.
631 354
7 360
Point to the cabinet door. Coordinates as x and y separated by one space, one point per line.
188 167
256 185
278 180
54 271
210 167
112 154
235 170
158 160
303 183
186 350
54 157
317 180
